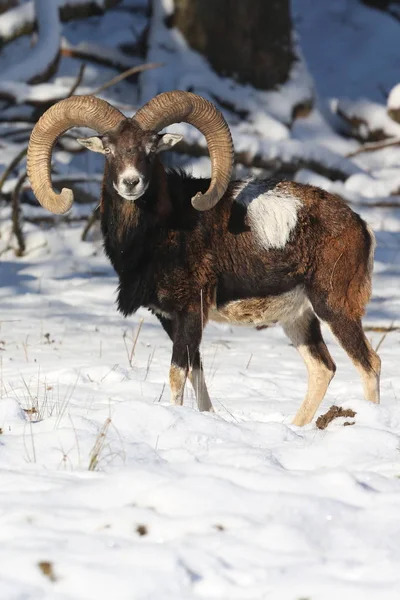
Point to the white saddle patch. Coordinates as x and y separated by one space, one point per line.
271 213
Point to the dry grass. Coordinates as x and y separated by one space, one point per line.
385 332
99 446
102 451
131 353
47 569
40 400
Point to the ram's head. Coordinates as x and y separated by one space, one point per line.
129 145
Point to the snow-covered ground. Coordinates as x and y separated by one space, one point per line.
128 497
107 491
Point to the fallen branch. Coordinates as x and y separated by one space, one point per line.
373 146
277 165
44 95
52 219
98 55
125 74
366 121
379 204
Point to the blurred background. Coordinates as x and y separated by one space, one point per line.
308 88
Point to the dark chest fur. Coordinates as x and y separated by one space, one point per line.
147 243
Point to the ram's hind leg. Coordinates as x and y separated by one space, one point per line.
350 334
305 334
339 293
346 326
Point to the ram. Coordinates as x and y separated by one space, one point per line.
251 252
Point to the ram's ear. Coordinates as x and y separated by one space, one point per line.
167 140
94 144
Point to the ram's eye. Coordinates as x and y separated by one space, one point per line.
107 150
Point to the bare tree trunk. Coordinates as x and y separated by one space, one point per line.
248 40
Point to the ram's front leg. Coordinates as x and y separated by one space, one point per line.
186 337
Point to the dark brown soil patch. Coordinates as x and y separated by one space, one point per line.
333 413
142 530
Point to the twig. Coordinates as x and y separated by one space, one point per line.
125 74
378 204
379 344
15 161
381 328
161 394
249 361
90 55
78 80
149 361
42 106
89 224
16 213
373 146
50 219
98 446
135 341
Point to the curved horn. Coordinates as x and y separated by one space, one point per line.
177 106
76 111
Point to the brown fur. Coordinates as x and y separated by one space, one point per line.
189 267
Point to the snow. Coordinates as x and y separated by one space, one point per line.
239 504
373 116
19 17
45 50
124 496
103 53
14 20
350 48
393 100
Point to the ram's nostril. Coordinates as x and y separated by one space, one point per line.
131 183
